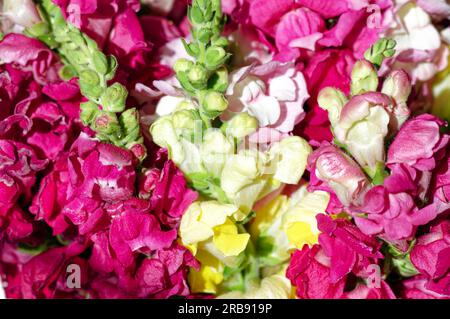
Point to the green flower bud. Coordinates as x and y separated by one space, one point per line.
204 35
364 78
213 104
184 119
67 72
241 125
89 111
129 122
114 97
215 56
332 100
112 67
77 58
219 80
198 76
221 42
164 135
186 105
89 82
183 65
100 62
106 123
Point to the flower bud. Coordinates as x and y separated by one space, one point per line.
332 100
100 61
215 56
185 119
195 15
164 135
106 123
339 172
364 78
113 99
138 150
112 67
213 104
289 159
198 76
362 128
398 86
183 65
67 72
89 82
129 120
219 80
241 125
89 111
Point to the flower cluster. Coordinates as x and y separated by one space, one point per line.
224 149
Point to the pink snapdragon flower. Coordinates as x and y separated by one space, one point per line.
30 54
322 271
392 208
415 288
333 170
431 256
274 93
393 215
18 168
441 187
352 29
419 143
91 173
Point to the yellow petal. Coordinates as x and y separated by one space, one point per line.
210 275
228 241
300 233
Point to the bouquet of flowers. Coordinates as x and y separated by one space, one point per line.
225 149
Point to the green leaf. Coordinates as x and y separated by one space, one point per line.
191 49
383 48
185 83
195 15
207 185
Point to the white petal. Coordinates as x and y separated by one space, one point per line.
266 109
